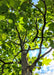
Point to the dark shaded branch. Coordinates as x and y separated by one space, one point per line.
35 6
2 61
5 62
34 64
12 61
25 37
38 48
44 6
44 15
2 69
29 49
21 40
46 53
40 37
43 29
13 58
18 34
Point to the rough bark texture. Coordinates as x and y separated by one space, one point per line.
25 69
26 72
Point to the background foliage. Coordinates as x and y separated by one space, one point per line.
22 14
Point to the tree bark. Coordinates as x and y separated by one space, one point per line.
25 68
26 72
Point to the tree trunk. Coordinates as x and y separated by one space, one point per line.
26 72
25 69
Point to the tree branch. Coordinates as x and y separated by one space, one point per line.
25 37
10 62
5 62
43 29
34 64
38 48
2 69
44 6
44 15
2 61
18 34
35 6
21 41
46 53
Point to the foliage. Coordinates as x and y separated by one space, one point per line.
24 27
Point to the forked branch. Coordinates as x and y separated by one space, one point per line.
12 60
44 15
43 28
34 64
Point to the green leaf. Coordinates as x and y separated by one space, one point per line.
10 21
53 53
49 33
46 61
3 36
52 43
17 43
2 17
36 74
40 63
3 9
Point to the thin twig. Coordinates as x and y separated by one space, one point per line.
36 7
18 34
